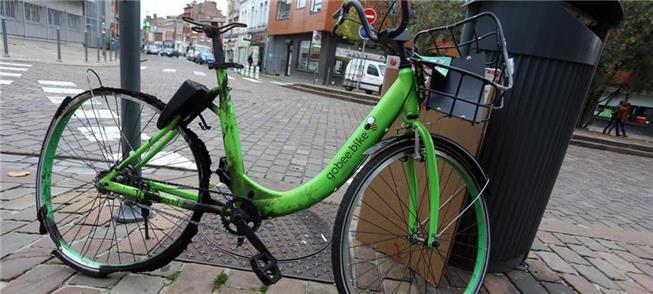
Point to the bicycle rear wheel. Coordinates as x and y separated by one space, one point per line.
372 248
99 232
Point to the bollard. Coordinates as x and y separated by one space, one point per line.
58 44
249 71
256 72
86 46
4 37
98 49
110 52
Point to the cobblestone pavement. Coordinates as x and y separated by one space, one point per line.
596 236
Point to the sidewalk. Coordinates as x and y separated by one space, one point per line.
21 49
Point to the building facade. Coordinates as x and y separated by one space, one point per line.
300 41
77 21
240 43
206 11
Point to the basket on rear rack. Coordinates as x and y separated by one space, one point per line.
463 70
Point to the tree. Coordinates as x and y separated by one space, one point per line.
626 65
433 14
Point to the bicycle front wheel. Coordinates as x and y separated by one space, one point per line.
373 250
96 231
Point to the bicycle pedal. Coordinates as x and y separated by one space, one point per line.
240 241
265 267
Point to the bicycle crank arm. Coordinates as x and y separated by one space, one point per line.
263 264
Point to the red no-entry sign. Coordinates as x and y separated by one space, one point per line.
370 15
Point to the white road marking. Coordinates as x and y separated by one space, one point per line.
13 68
62 90
59 99
169 70
281 83
10 74
96 113
95 134
199 73
5 82
172 159
57 83
15 64
143 67
231 78
251 80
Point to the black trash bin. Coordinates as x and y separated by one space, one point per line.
556 46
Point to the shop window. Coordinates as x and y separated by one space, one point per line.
308 58
33 12
74 22
316 6
283 9
301 4
8 8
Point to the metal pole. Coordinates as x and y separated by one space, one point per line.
4 37
86 45
361 66
130 79
58 44
98 49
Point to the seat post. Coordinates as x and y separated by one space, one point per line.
218 51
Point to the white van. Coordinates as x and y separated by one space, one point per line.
368 72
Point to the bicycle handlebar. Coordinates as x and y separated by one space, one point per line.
383 35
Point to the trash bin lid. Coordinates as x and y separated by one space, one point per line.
611 12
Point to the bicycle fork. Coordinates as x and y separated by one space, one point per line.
421 132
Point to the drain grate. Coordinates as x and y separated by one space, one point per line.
301 242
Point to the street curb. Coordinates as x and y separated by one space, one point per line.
327 91
617 147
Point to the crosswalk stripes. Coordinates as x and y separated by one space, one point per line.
63 88
252 80
199 73
143 67
169 70
57 83
12 70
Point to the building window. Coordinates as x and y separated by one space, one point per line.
54 17
308 58
283 9
33 12
316 6
301 4
8 8
74 22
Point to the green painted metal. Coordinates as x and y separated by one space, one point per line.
432 178
179 192
165 139
411 177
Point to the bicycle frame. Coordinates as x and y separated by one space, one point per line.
400 97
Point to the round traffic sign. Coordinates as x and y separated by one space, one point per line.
362 33
370 15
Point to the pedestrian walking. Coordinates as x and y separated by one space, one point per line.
613 116
622 116
250 60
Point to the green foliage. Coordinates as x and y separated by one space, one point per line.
626 65
220 280
432 14
173 276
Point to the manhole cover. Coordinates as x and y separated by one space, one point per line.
301 242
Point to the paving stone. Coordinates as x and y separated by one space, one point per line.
15 193
287 286
27 215
611 291
557 288
582 250
645 268
626 255
105 282
7 186
167 269
609 244
499 283
568 255
320 288
632 287
568 239
541 272
242 280
78 290
592 244
555 262
595 276
644 280
619 262
194 278
11 242
525 282
133 283
539 246
8 226
227 290
581 284
18 263
42 279
548 238
608 269
19 203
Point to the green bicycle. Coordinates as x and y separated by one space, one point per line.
413 218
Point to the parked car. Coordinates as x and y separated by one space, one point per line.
205 58
170 52
369 72
190 55
153 49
